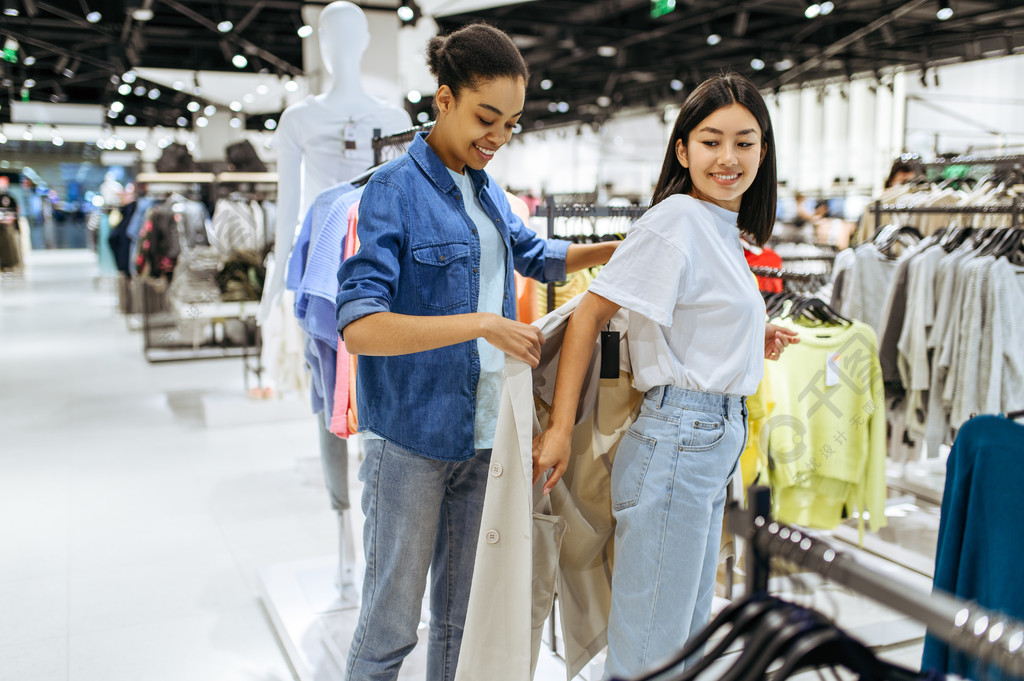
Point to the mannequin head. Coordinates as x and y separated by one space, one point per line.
344 36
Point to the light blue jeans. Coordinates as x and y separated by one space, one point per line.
420 514
668 488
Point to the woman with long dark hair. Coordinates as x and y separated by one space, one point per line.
698 337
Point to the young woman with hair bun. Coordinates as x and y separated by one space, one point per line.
428 302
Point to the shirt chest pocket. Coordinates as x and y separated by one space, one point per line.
442 275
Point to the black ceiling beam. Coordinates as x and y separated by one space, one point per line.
73 18
838 46
246 45
248 18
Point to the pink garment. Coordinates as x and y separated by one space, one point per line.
344 394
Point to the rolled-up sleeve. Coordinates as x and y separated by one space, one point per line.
541 259
368 281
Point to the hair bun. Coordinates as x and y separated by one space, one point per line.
435 53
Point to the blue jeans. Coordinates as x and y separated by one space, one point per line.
668 486
420 514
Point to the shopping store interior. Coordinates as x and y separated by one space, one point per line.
169 489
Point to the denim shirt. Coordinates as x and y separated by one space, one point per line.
419 255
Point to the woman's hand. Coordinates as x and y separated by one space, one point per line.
551 449
518 340
776 339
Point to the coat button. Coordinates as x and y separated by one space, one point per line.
475 270
498 221
497 470
442 258
492 536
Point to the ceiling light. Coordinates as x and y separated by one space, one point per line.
29 60
130 119
784 64
239 61
3 138
235 122
546 84
604 101
140 145
607 51
129 77
142 14
178 85
422 117
262 89
813 9
153 94
756 64
29 82
124 89
121 144
93 17
291 85
827 7
210 109
112 114
225 26
11 8
193 106
945 11
405 13
164 142
202 121
235 106
57 141
115 79
305 31
182 121
270 124
140 90
117 106
414 96
70 71
563 107
676 84
27 135
552 107
714 39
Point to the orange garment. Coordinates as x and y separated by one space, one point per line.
526 299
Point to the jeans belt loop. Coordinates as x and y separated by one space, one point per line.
661 397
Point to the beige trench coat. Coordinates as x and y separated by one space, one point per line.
532 546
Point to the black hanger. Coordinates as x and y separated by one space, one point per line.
364 177
1013 415
740 615
832 647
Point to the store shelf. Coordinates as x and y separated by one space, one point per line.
182 178
270 178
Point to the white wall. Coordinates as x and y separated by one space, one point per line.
978 104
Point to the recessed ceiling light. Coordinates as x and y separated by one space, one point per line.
270 124
239 61
235 106
225 26
182 121
305 31
124 89
291 85
93 17
142 14
210 109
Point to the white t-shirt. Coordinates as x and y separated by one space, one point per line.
696 318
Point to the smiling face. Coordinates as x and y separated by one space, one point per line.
722 154
474 125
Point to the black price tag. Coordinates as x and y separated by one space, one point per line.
609 354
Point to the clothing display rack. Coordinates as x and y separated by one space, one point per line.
399 140
1015 209
552 210
981 633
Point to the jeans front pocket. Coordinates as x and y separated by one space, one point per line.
700 431
629 469
442 275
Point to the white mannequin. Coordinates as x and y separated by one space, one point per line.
111 191
322 141
310 137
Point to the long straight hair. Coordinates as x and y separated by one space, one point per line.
757 207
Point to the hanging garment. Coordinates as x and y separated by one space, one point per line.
532 546
344 419
980 544
766 258
825 438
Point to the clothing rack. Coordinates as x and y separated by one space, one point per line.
552 210
1016 209
398 139
984 634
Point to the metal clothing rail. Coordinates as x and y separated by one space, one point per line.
398 139
552 211
1016 209
984 634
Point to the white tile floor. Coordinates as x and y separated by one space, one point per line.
131 535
